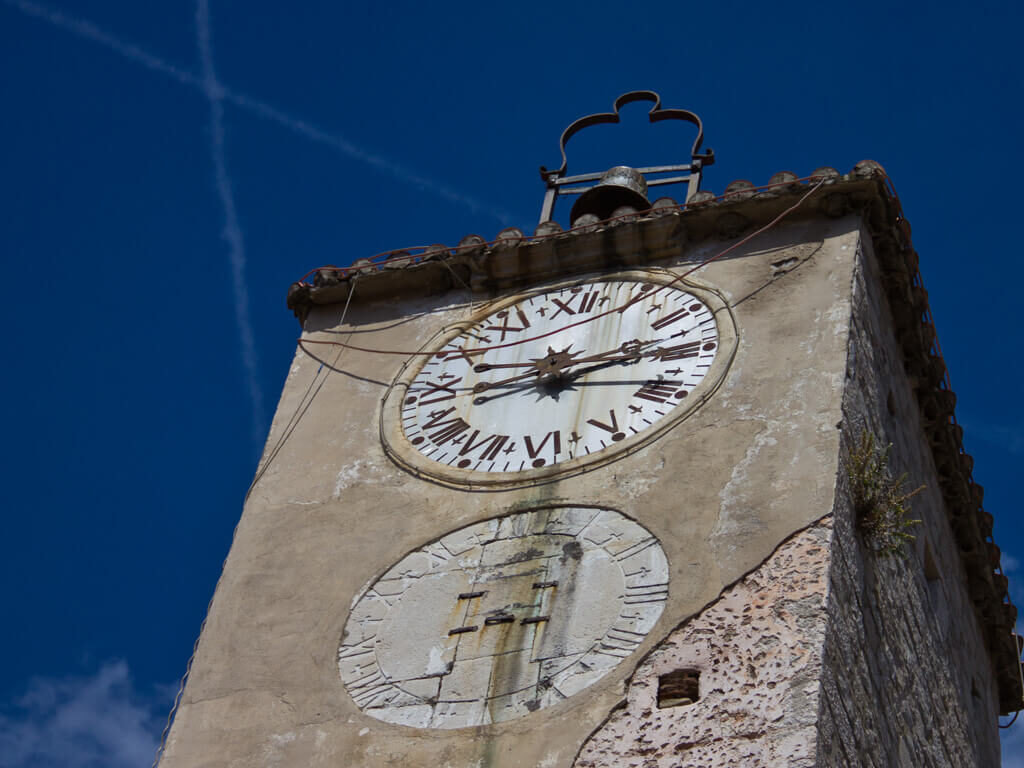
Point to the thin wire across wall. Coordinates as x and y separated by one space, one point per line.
304 403
621 308
317 382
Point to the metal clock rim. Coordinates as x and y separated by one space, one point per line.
402 453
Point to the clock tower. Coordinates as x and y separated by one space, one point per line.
680 484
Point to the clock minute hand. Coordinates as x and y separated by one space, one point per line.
546 367
554 364
482 367
483 386
629 350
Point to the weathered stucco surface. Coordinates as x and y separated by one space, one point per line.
329 513
502 618
907 679
758 650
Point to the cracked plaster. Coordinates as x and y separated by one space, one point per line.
294 570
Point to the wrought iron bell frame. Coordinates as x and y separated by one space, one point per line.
557 182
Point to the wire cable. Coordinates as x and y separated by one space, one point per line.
307 400
289 427
592 318
303 405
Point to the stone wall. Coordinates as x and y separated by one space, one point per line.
830 653
907 680
757 650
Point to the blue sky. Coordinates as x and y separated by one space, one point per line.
170 168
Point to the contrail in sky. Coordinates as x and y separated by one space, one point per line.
208 84
232 233
89 31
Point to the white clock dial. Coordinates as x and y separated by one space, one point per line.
502 618
487 405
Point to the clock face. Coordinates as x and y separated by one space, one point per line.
562 377
502 618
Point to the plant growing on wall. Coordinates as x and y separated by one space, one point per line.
880 501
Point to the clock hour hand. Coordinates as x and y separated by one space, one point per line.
505 392
554 364
483 386
545 367
549 362
628 352
483 367
573 375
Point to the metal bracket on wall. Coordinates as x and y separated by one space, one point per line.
557 182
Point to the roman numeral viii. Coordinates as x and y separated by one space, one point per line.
657 391
447 429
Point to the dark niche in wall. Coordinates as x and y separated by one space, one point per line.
678 688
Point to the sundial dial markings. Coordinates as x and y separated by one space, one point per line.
604 650
635 549
619 644
629 635
648 590
579 534
362 648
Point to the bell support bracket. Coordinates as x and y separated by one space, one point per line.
557 182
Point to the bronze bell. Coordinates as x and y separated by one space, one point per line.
618 186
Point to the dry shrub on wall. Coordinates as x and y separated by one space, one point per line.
880 501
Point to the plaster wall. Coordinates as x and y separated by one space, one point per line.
329 513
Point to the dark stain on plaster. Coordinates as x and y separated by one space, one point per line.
527 554
573 549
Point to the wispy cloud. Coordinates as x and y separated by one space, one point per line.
232 231
1008 436
82 722
89 31
1012 740
340 144
217 94
1011 567
346 147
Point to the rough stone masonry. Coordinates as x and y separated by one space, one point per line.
829 654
